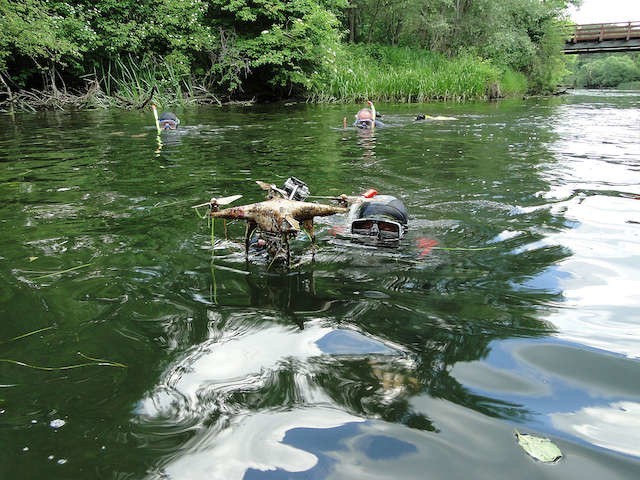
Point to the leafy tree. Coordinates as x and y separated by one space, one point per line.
270 47
275 43
608 70
77 37
148 26
516 34
43 35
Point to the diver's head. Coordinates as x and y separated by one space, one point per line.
379 219
364 118
168 121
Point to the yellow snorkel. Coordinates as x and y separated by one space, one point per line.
155 114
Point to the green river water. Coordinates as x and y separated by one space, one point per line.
130 349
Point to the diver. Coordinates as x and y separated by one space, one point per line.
166 120
378 219
367 118
374 219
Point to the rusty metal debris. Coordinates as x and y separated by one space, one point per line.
278 217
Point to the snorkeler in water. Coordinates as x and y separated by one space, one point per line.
168 121
367 118
378 219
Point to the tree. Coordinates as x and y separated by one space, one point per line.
608 70
43 36
256 47
275 43
522 35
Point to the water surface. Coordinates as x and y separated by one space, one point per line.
511 303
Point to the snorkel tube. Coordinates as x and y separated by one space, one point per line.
373 113
155 115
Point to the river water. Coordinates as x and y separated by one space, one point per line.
129 348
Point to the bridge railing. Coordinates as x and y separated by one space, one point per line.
600 32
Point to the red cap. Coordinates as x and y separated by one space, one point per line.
370 193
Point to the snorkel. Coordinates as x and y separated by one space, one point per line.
373 113
155 115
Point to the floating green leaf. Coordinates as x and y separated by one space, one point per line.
539 448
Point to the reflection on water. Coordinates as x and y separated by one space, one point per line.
367 141
249 357
236 449
614 426
596 174
598 404
510 303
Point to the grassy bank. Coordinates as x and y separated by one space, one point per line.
391 74
123 83
355 73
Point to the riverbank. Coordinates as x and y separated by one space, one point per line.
95 97
354 74
404 75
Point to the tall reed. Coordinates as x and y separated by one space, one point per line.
392 74
129 81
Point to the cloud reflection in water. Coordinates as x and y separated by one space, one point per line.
248 396
616 426
255 442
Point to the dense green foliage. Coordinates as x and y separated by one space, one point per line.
512 33
384 73
182 50
521 35
607 71
274 44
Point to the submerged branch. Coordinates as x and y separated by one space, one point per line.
59 272
24 335
95 362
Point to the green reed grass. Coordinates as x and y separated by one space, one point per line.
392 74
129 81
513 83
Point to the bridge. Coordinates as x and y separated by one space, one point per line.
603 37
